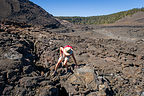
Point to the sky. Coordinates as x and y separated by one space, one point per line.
87 7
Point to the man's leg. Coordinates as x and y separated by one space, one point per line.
58 63
65 62
60 58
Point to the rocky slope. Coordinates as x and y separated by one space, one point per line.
135 18
27 12
107 66
110 57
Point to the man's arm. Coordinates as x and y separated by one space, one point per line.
61 50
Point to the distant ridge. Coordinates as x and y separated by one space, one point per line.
27 12
104 19
135 18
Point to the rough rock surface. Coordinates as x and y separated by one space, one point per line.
25 11
107 66
85 81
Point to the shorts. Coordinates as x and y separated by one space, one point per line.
65 58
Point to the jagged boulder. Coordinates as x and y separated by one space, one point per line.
85 81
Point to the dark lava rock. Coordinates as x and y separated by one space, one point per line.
107 67
7 90
84 81
48 91
26 11
30 82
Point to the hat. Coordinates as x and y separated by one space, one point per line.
68 51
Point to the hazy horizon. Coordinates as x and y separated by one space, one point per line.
86 8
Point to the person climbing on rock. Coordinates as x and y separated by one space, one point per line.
65 54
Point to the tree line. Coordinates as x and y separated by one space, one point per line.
104 19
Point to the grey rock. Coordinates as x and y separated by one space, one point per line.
92 94
30 82
48 91
84 80
20 91
12 54
142 94
7 90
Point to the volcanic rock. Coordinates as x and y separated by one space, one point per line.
25 11
84 81
108 65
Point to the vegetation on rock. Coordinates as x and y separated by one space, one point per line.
104 19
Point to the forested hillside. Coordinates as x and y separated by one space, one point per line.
104 19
